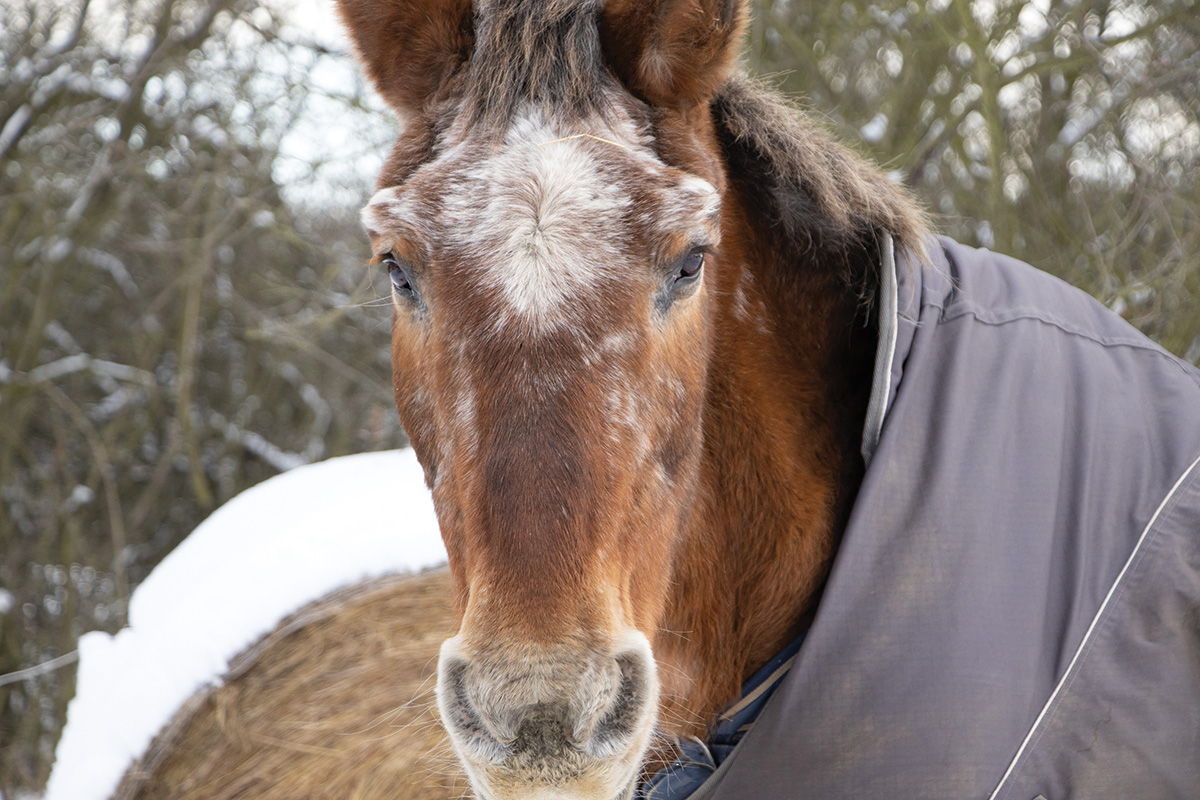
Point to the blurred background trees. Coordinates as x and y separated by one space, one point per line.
185 310
1064 132
185 307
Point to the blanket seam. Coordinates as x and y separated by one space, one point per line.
952 314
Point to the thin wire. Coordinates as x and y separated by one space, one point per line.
40 669
581 135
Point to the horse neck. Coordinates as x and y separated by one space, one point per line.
788 388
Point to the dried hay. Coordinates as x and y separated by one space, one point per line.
337 702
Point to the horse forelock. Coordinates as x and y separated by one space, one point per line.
545 52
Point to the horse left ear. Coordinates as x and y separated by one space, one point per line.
672 53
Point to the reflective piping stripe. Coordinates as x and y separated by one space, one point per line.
1087 636
885 351
765 686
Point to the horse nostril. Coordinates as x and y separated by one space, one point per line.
625 716
460 715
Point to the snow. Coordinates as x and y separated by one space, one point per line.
874 130
258 558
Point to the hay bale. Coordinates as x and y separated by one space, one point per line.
337 702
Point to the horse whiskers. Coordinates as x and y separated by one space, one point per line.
421 705
375 302
443 764
669 716
414 727
381 720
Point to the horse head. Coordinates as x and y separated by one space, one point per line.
568 261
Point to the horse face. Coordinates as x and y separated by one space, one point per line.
550 343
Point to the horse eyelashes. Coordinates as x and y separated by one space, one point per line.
690 268
398 274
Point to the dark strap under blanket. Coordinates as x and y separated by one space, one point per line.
698 760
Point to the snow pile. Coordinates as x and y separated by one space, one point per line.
258 558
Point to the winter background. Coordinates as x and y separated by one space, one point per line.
186 309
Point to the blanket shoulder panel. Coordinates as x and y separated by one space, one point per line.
1031 437
1126 721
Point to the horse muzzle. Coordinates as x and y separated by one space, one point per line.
549 722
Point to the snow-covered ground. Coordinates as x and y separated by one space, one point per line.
258 558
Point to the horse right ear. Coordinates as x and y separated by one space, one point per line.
409 48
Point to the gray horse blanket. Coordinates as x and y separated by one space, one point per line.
1014 611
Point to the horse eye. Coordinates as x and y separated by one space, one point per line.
690 267
398 274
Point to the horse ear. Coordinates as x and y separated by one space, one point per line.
409 48
673 52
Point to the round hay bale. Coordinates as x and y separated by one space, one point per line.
337 702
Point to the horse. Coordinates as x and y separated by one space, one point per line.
634 323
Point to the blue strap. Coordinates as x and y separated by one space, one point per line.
698 760
682 776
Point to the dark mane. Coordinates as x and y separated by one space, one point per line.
824 201
545 52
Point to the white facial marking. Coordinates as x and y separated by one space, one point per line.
619 343
464 419
541 215
383 207
741 300
710 199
